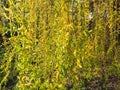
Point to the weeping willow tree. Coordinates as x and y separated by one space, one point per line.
59 44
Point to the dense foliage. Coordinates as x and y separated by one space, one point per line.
59 45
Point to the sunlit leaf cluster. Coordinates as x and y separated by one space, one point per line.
59 44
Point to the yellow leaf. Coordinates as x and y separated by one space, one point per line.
75 52
6 16
8 9
60 85
79 64
51 86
